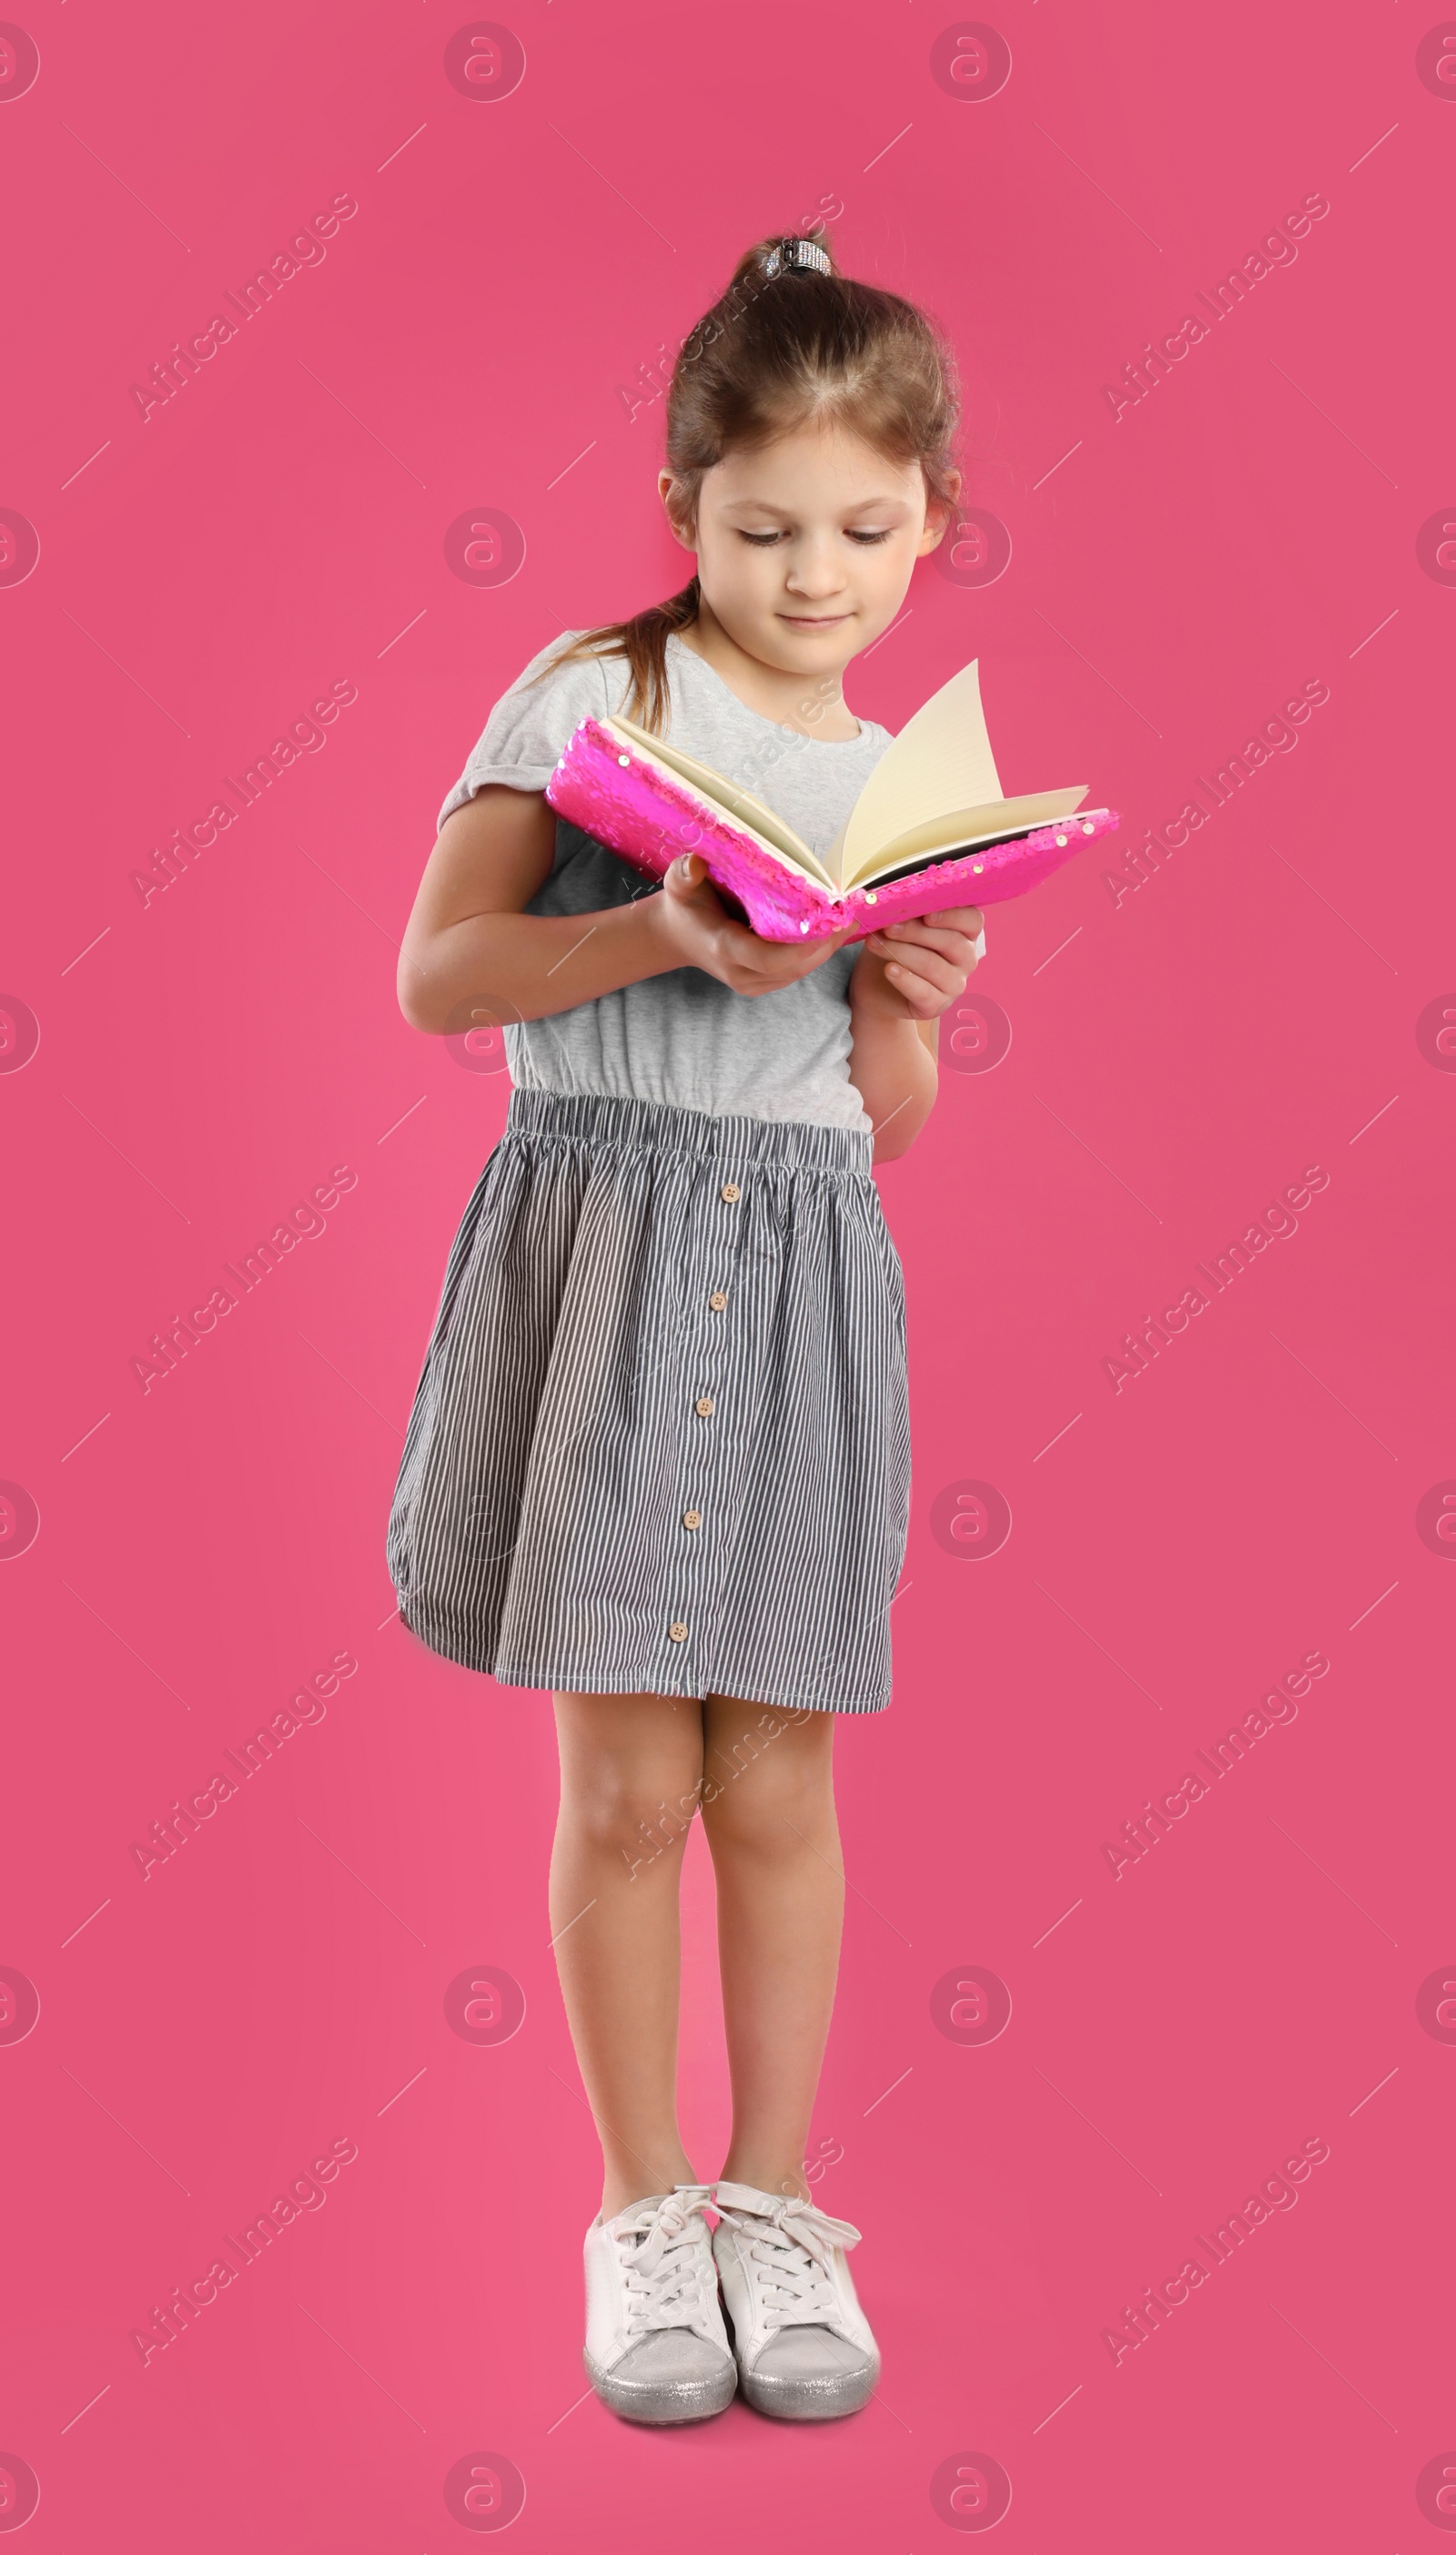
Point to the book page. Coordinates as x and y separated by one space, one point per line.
750 813
941 760
966 828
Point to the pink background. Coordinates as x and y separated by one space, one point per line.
1180 1053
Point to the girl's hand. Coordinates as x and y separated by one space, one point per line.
693 926
913 971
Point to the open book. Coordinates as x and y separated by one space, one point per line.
929 829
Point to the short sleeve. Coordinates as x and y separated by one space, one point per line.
528 731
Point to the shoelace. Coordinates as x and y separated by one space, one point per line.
668 2266
792 2248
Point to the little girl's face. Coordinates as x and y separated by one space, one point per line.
806 546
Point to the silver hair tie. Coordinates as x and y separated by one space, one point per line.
796 252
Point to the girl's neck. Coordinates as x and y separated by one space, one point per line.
813 704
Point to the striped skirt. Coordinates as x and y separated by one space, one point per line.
661 1441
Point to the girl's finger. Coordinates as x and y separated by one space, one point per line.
966 919
684 871
923 957
927 969
915 992
921 935
960 918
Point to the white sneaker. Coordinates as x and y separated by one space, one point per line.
657 2349
803 2346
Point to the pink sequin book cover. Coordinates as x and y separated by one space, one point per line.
929 829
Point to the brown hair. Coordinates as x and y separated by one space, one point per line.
771 354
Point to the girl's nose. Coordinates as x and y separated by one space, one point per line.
815 571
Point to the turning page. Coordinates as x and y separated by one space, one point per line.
941 761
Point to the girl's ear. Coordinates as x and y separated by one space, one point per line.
682 530
940 514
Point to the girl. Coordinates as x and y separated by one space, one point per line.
658 1457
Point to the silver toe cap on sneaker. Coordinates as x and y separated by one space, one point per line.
807 2375
669 2376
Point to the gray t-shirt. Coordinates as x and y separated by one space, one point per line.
683 1037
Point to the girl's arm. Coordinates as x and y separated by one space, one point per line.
470 949
904 979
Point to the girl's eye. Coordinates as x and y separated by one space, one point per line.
768 541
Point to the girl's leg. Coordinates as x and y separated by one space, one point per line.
769 1817
630 1781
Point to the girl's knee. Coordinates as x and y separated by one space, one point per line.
629 1766
636 1818
769 1782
